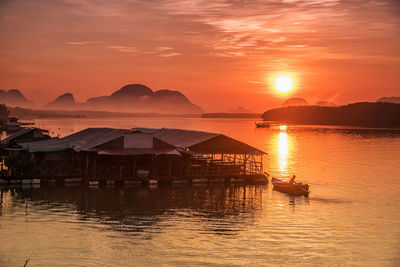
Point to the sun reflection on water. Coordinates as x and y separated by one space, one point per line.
283 151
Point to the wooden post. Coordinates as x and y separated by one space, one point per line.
134 167
95 167
87 163
154 166
169 166
244 163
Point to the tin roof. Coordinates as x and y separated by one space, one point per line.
202 142
141 140
91 137
48 145
20 133
140 151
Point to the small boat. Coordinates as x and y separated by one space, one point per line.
297 189
262 124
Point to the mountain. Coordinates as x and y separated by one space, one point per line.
238 110
366 114
65 101
140 98
132 91
326 104
14 98
295 101
393 99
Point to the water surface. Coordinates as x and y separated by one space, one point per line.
352 216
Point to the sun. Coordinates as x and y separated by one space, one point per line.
284 83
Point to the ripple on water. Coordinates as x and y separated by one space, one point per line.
351 217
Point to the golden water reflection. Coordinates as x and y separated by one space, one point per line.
283 127
282 152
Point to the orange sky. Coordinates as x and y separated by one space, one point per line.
218 53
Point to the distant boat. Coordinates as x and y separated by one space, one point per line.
297 189
262 124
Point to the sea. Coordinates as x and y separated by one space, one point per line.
351 218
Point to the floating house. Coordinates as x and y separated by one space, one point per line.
143 154
29 134
13 124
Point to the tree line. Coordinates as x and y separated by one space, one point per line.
366 114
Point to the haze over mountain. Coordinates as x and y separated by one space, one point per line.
140 98
135 98
14 97
393 99
65 101
326 104
131 98
295 101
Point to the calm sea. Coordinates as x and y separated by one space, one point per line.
352 216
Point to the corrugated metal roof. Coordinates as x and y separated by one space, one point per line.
205 142
141 139
91 137
183 138
145 130
223 144
53 144
140 151
18 134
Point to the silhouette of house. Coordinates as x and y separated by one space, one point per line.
145 153
30 134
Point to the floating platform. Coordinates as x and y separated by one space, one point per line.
175 181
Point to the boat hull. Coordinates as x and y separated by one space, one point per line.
290 189
262 124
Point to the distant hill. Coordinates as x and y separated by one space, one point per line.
378 114
131 98
295 101
140 98
393 99
65 101
14 98
30 113
240 109
230 115
326 104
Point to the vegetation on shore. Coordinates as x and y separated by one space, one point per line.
4 111
29 113
365 114
230 115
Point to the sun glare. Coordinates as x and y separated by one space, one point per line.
284 83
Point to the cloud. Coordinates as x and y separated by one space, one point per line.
257 82
125 49
163 48
172 54
229 54
243 27
83 43
158 50
162 51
